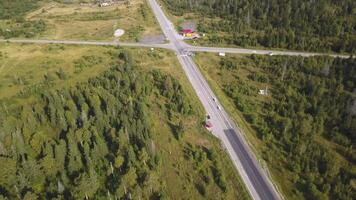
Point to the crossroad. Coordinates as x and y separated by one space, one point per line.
257 182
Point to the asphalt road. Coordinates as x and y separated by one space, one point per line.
255 179
80 42
181 45
258 51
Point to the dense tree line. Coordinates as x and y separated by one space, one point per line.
322 25
314 101
94 140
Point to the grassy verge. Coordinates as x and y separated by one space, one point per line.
209 66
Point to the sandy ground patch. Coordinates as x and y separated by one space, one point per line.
153 39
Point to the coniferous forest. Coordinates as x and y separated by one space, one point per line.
311 25
97 140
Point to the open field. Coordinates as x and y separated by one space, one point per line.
22 66
90 22
237 80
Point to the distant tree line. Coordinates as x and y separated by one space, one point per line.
322 25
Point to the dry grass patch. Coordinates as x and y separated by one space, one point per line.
26 65
73 21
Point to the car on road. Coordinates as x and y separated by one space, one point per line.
208 117
218 107
208 125
270 53
214 99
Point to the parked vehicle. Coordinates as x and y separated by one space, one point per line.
208 125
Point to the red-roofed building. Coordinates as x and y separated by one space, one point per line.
187 32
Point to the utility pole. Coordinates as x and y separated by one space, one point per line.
284 70
112 169
109 195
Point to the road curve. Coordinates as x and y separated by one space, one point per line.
255 179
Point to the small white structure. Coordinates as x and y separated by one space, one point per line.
119 32
104 4
222 54
263 92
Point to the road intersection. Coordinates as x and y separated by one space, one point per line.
257 182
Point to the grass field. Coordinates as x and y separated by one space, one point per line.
91 22
22 66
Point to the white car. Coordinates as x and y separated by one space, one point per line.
270 53
218 107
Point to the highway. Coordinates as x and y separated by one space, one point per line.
255 179
257 182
